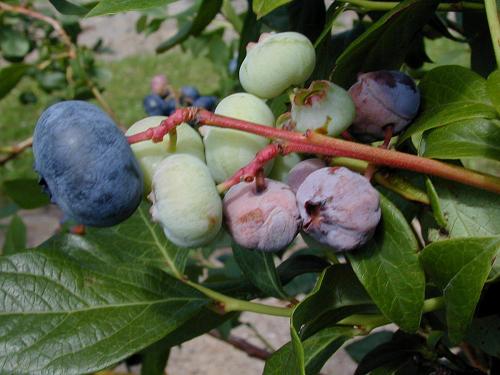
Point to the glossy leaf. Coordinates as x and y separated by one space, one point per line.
483 334
136 241
26 193
317 350
258 267
154 359
66 311
450 94
493 89
206 12
468 211
15 237
359 348
69 8
386 43
10 77
117 6
468 138
389 269
460 267
263 7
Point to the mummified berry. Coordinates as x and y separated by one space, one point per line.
185 201
300 171
339 208
268 220
383 98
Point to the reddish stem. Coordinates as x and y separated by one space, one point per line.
320 144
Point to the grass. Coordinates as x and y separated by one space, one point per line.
124 93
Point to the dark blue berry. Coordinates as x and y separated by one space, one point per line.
188 95
207 102
154 105
86 164
170 106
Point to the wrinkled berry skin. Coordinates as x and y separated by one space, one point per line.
207 102
227 150
87 164
185 201
154 105
299 172
265 221
149 154
339 208
277 62
382 98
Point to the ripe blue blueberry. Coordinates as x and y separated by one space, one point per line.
383 98
154 105
170 106
86 164
207 102
188 95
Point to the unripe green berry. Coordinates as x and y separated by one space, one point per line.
185 201
150 154
227 150
323 107
276 63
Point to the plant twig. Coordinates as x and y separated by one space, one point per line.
15 150
315 143
250 349
42 17
494 25
446 7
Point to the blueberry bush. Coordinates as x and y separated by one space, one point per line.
353 175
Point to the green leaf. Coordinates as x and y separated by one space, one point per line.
389 269
469 212
483 334
317 350
119 6
206 12
67 7
263 7
468 138
386 43
450 94
10 77
337 294
358 349
460 268
493 89
26 193
15 238
66 311
154 359
258 267
13 44
136 241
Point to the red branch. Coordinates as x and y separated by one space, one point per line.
315 143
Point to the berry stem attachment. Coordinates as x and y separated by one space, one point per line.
315 143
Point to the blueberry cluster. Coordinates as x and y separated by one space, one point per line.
163 102
90 171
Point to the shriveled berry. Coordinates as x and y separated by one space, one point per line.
86 164
283 165
339 208
383 98
268 220
228 150
300 172
185 201
150 154
323 107
277 62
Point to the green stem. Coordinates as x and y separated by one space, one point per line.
232 304
382 5
494 25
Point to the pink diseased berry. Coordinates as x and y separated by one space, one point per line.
268 220
339 208
299 172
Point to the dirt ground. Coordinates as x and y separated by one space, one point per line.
205 354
